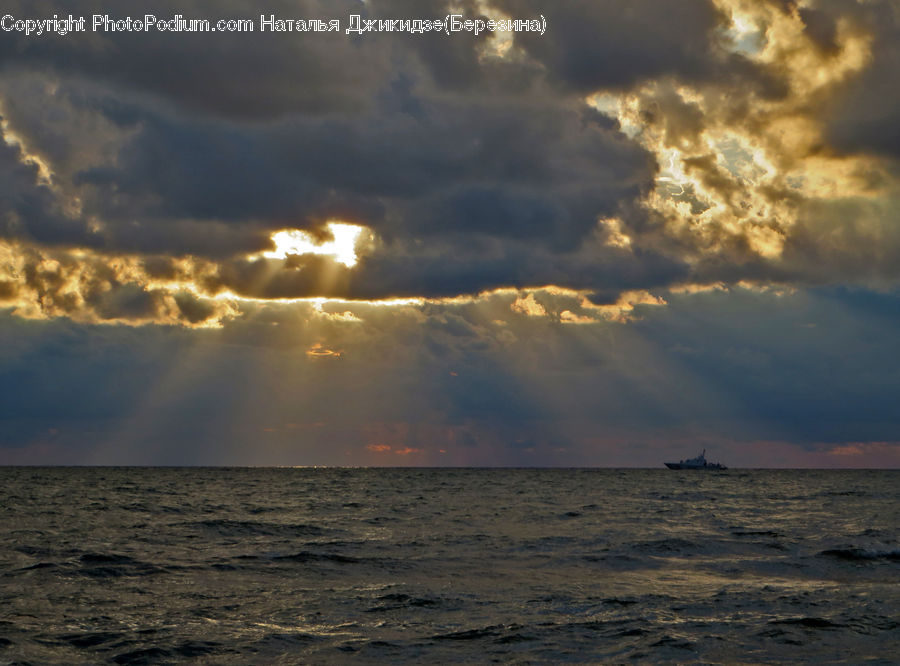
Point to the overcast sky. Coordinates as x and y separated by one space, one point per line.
655 228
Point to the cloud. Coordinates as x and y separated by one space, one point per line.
637 159
576 241
95 288
526 305
862 120
336 73
620 43
152 161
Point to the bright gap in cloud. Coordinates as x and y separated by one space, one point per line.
745 35
342 247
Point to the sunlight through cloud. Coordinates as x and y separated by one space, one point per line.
342 246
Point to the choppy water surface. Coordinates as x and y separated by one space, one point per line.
434 566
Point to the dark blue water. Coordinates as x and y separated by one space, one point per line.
221 566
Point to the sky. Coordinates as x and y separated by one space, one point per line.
647 229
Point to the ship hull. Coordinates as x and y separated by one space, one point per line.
714 466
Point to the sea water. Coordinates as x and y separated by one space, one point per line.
228 566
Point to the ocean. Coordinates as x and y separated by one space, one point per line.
443 566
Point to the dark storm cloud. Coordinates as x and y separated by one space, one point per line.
474 172
849 238
449 267
30 209
418 137
614 44
249 75
236 173
865 120
457 269
821 27
206 238
469 166
618 43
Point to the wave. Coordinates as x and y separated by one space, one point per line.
667 546
307 556
283 567
809 622
673 642
143 656
285 640
616 601
35 551
398 601
104 565
152 655
861 555
751 533
92 639
244 528
469 634
39 565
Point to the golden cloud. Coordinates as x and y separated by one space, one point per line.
737 166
